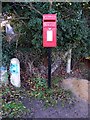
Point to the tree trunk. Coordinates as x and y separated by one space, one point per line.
68 69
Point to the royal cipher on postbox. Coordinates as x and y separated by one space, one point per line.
49 30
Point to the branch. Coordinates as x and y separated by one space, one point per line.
19 17
31 7
69 13
50 4
66 17
54 66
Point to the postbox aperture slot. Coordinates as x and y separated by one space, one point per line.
49 20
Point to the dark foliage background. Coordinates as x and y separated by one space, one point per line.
72 29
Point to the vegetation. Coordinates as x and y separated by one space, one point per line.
72 28
38 89
11 105
72 33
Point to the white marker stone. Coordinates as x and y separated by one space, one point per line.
15 72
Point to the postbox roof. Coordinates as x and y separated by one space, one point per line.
49 17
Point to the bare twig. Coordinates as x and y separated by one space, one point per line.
50 4
31 7
19 17
54 66
30 66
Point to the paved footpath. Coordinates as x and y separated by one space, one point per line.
77 109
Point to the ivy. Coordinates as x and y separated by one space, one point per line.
72 28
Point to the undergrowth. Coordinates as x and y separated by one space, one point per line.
11 105
39 89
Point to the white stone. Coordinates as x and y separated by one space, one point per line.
15 72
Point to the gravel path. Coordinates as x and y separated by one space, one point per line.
77 109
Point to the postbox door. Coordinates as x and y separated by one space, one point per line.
49 39
49 35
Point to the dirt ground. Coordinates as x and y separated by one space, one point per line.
76 109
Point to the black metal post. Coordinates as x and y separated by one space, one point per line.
49 67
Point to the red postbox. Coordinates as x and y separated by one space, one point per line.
49 30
